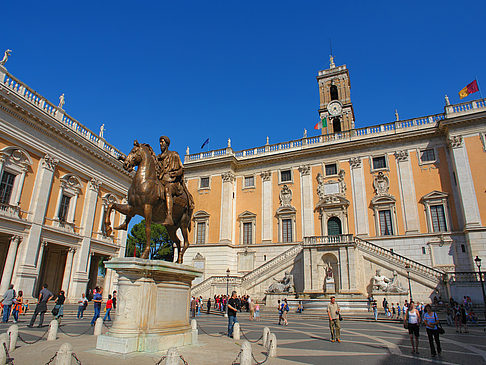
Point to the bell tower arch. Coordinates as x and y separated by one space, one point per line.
335 98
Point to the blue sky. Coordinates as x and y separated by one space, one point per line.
240 70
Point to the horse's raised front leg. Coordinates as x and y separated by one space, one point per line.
125 209
147 209
172 231
124 225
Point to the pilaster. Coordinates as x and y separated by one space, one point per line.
227 192
359 197
66 280
407 192
267 226
9 263
307 201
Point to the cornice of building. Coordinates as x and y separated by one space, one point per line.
410 129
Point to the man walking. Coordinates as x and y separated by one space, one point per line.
97 299
232 310
41 308
8 301
334 325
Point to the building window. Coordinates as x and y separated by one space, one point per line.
427 155
424 251
249 182
247 233
334 227
463 248
204 183
247 227
6 187
285 176
64 208
436 210
331 169
386 227
287 230
201 232
201 224
336 125
438 218
379 162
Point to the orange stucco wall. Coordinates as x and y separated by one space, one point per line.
210 202
249 199
477 161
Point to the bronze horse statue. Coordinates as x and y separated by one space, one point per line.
146 198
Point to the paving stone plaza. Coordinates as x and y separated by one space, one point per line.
304 341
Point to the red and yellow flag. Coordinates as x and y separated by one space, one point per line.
469 89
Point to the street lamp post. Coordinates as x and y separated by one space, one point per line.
477 260
227 292
407 267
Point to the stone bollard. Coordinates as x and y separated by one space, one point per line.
52 334
173 357
13 333
64 354
272 350
98 326
3 354
266 335
194 332
245 357
236 331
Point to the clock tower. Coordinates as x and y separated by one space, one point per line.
335 98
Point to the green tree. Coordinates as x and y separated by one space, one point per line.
160 245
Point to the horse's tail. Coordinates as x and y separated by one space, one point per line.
190 206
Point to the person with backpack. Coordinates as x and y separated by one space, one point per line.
41 308
7 301
432 326
285 310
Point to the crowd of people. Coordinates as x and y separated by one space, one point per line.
219 304
13 304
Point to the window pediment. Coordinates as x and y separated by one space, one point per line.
16 158
71 184
247 215
434 195
285 210
332 201
383 199
200 214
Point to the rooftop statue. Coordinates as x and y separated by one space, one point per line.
4 60
157 193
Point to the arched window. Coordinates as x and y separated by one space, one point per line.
334 92
334 226
336 125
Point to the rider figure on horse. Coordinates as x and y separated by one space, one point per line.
170 173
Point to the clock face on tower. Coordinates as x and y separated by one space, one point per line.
335 108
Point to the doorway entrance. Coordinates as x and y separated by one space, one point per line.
334 227
52 269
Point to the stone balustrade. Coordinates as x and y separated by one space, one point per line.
318 240
38 101
10 210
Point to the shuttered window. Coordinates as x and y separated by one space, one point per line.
334 226
6 187
247 233
64 208
201 232
438 218
386 228
286 230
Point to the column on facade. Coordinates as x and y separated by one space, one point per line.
307 259
407 192
226 229
464 179
361 223
66 280
107 282
28 270
267 222
307 201
344 278
80 274
9 264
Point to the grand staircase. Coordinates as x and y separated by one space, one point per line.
419 272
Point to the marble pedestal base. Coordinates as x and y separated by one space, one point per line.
330 287
271 299
152 306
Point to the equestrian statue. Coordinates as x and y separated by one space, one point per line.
157 193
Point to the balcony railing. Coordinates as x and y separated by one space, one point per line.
10 210
319 240
69 227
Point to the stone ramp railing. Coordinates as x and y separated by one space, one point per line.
249 279
399 260
205 285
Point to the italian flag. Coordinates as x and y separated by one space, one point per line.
321 124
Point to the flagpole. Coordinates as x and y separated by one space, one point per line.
479 88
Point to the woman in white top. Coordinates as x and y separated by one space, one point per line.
412 323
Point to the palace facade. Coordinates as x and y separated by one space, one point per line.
56 179
406 198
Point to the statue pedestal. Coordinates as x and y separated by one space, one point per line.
152 311
330 286
271 299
